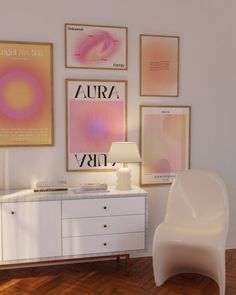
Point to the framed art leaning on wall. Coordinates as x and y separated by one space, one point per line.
159 65
26 93
96 117
164 143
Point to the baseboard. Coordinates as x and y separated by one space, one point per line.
230 247
138 254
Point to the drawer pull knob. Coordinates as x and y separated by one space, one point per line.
105 207
12 212
104 244
105 225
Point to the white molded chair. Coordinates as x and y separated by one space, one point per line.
193 234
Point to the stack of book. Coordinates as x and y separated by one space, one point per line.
91 187
51 186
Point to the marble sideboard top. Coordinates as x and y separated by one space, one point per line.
28 195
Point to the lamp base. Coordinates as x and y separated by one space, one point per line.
123 181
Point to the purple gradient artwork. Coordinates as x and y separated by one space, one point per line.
96 116
165 133
94 47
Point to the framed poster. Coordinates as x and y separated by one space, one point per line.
26 94
95 47
164 143
96 116
159 65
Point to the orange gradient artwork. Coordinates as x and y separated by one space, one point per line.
159 65
165 140
26 94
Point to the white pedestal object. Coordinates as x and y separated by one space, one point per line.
123 181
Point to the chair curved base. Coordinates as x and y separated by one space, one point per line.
170 260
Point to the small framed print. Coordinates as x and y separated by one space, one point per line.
26 94
95 47
159 65
96 116
164 143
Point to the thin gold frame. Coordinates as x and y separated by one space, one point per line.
94 67
140 139
67 117
140 66
51 92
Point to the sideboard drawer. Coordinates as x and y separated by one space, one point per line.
103 207
103 225
103 243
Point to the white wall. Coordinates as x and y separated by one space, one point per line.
207 83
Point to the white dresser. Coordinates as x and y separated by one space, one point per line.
103 225
47 227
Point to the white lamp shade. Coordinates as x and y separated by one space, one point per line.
123 152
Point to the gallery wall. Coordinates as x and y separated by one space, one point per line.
207 84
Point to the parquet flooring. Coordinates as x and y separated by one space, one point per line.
102 278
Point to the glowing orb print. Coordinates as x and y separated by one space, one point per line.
97 128
94 125
16 111
97 47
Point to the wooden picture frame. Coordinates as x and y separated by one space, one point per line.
159 65
26 94
164 143
96 47
96 115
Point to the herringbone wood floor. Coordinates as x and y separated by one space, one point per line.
102 278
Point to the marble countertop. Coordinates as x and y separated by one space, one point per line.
28 195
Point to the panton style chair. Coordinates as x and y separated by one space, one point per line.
193 234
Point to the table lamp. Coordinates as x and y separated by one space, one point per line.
123 152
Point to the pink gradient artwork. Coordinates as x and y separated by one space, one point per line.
165 143
101 47
89 46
